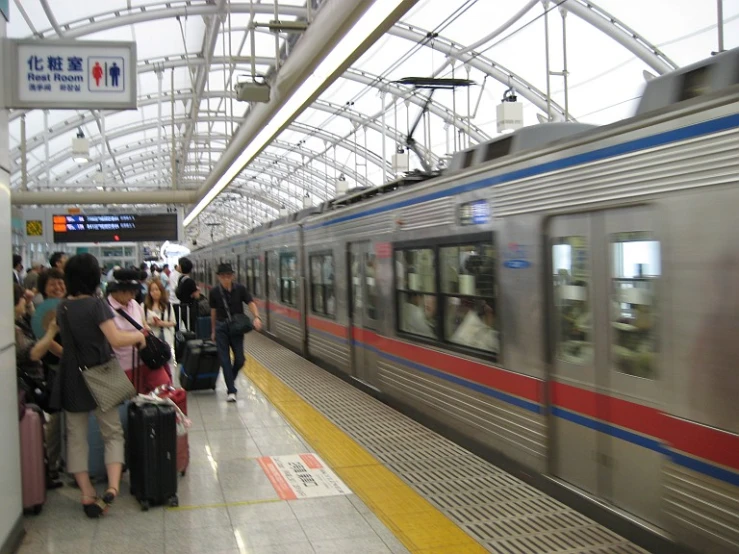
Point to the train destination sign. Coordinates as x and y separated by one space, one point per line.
476 212
115 227
71 74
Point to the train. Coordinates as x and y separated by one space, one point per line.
566 296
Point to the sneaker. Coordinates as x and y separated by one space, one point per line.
231 397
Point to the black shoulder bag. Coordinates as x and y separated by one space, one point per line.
238 324
156 353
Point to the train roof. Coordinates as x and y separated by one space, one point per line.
699 79
526 138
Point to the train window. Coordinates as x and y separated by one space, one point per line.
416 288
357 304
256 284
249 274
636 269
572 283
273 289
288 279
370 261
323 300
468 296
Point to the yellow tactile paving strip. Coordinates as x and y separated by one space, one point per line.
415 522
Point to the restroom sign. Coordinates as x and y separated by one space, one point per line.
71 75
106 74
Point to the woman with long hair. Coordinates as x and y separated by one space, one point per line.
158 311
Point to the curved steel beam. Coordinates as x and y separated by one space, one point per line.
479 62
319 188
273 166
126 152
365 121
621 33
64 155
105 21
351 74
71 124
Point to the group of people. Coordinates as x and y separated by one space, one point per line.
86 328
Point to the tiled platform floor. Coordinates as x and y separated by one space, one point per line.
227 504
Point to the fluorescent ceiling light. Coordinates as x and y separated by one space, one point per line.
363 28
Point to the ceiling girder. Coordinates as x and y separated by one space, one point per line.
277 171
210 41
318 186
69 125
154 144
169 9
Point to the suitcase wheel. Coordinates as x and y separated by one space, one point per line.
174 502
36 510
182 473
144 505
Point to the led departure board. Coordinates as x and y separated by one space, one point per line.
115 227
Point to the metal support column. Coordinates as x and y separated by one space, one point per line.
546 54
46 148
383 94
720 16
174 155
24 153
565 74
160 163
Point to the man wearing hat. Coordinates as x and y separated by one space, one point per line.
226 301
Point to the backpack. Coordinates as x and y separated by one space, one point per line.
178 290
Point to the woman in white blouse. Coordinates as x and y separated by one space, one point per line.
158 311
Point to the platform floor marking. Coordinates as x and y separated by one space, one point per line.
416 523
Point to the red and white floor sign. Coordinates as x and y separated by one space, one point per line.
302 476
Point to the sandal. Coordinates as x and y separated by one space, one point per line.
95 509
110 495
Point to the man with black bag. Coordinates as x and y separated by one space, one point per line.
229 324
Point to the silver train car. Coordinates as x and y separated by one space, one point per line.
565 297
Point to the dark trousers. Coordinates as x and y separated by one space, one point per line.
224 343
176 311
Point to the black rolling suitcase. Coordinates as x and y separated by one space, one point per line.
152 453
200 366
181 337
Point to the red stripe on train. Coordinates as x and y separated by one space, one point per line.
692 438
330 327
711 444
489 376
279 309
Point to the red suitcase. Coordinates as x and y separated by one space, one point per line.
179 397
33 465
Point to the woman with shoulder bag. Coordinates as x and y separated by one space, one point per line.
129 316
158 311
90 379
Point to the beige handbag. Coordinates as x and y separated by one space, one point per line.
108 384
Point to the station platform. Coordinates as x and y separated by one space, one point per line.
370 480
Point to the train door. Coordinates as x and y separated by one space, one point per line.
272 291
606 270
363 310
